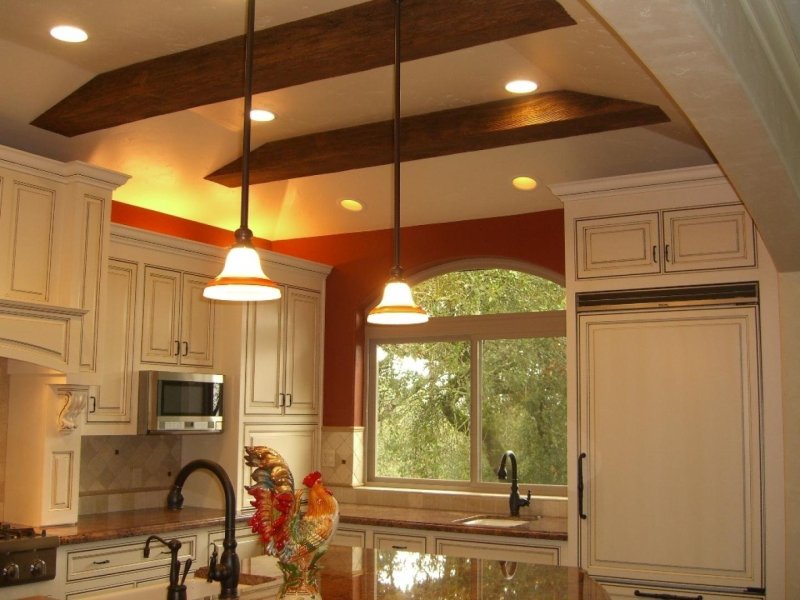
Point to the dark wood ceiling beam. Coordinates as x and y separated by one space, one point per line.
349 40
535 118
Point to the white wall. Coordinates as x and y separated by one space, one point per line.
790 357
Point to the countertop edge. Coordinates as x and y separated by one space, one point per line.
125 524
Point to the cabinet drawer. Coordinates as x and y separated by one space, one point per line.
350 537
620 592
100 591
541 555
248 544
392 541
122 558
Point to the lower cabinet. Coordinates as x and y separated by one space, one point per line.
469 548
527 550
620 592
248 544
393 540
94 569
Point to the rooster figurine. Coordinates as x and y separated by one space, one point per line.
297 538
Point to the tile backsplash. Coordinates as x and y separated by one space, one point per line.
127 472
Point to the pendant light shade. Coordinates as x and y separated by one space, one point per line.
242 279
397 306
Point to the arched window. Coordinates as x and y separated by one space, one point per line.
486 374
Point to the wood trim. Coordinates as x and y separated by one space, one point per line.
345 41
495 124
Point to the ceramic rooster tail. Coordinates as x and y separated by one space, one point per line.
296 532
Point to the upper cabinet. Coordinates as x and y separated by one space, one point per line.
670 241
686 223
54 228
178 322
284 354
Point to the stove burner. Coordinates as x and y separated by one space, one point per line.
25 555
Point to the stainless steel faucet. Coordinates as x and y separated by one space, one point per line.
514 501
227 570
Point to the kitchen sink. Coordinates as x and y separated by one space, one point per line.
497 521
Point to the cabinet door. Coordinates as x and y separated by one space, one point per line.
716 237
492 551
614 246
28 232
114 401
197 323
298 444
669 423
303 351
160 316
263 355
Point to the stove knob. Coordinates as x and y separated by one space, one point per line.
38 568
10 572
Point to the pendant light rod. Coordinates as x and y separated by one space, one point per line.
396 269
248 103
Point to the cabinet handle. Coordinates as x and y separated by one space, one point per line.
581 514
281 399
101 562
288 400
94 404
655 254
666 253
177 347
186 348
639 594
398 547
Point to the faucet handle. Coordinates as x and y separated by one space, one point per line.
526 501
212 564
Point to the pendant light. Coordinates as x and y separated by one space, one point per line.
397 305
242 279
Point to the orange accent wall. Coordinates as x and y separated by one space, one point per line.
151 220
361 264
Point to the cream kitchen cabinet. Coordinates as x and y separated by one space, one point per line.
54 227
120 564
507 551
670 484
393 539
113 402
623 592
668 241
299 445
284 355
177 321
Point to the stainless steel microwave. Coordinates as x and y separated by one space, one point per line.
179 402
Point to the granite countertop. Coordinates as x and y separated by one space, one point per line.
108 526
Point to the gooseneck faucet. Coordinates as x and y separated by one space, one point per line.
227 570
514 501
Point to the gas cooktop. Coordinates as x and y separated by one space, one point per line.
26 556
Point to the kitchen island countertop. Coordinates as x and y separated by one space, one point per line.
109 526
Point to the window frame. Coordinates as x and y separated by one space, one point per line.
473 329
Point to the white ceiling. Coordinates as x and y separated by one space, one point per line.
168 156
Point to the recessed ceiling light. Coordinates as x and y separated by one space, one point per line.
524 183
521 86
259 114
351 205
68 33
